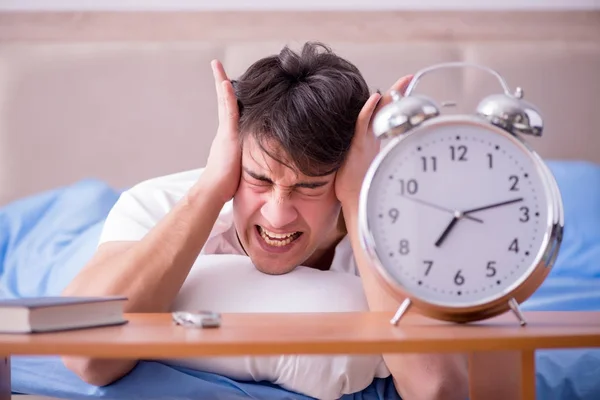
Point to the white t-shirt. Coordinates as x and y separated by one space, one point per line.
141 207
223 279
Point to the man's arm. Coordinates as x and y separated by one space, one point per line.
150 272
416 376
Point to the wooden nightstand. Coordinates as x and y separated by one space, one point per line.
499 342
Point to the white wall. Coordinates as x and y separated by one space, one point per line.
68 5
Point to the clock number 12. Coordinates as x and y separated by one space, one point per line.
458 153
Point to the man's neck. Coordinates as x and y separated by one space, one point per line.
240 242
323 257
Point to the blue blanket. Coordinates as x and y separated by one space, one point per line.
45 239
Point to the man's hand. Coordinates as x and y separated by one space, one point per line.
223 168
364 147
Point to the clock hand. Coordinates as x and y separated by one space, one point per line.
444 234
442 208
464 214
492 206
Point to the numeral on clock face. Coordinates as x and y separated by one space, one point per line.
409 186
458 278
514 245
394 213
491 269
458 153
514 180
404 247
429 163
525 215
429 264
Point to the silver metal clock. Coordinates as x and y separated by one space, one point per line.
459 215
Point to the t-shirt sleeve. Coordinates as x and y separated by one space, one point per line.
141 207
129 219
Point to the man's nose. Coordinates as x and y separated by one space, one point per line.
278 210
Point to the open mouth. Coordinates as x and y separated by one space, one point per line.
277 239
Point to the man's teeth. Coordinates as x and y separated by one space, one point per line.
274 235
277 239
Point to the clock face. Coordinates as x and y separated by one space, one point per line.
458 213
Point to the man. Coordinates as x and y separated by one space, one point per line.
293 145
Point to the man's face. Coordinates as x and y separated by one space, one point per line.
283 218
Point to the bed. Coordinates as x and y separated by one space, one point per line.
92 103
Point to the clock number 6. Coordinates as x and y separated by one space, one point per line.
458 278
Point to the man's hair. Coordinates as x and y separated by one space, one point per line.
306 103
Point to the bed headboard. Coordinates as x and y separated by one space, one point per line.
126 96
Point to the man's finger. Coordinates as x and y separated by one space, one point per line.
364 117
231 106
402 84
220 76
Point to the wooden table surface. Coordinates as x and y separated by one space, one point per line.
499 344
155 336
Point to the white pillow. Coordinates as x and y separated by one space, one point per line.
231 283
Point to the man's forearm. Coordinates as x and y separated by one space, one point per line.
151 272
417 376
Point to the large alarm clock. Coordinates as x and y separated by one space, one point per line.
460 217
